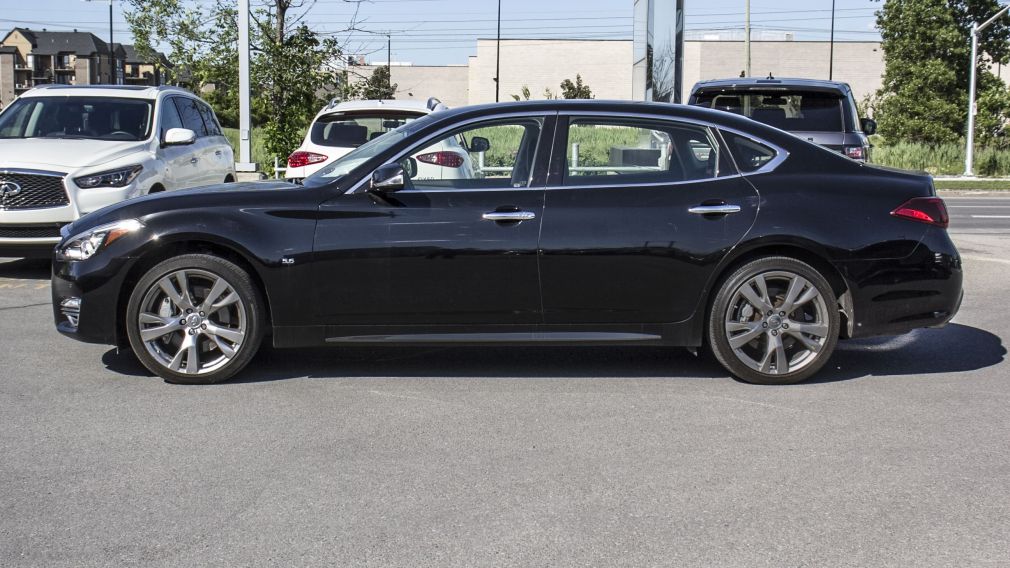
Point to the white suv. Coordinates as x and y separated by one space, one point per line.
68 150
342 127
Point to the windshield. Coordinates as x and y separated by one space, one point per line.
351 130
793 111
96 118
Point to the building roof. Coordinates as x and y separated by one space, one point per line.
130 55
52 43
8 49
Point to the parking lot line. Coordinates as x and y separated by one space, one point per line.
990 216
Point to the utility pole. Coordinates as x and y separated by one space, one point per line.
497 64
831 50
969 150
244 123
746 34
389 61
112 52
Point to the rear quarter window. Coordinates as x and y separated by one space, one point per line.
750 155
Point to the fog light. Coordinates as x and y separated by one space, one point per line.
71 309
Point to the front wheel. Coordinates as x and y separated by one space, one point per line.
195 319
774 321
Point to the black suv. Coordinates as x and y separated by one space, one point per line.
823 112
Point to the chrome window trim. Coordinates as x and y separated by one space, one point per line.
435 137
781 154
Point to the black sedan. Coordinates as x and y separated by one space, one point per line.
551 222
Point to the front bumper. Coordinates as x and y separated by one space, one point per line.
86 297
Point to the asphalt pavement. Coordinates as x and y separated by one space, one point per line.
979 215
897 455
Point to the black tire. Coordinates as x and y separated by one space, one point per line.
247 312
758 334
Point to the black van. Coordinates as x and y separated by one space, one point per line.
823 112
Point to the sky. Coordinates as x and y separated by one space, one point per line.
444 32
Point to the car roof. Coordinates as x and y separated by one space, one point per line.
757 84
419 107
118 91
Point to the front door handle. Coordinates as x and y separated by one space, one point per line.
721 209
218 153
509 216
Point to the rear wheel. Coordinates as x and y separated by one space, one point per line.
774 321
195 319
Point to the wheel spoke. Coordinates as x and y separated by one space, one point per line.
226 350
154 319
810 344
176 363
752 332
219 287
193 356
795 287
781 361
233 335
227 301
180 299
807 296
759 302
152 333
815 329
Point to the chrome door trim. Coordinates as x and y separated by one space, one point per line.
723 209
509 216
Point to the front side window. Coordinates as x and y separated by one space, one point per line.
350 130
170 117
191 117
490 155
604 151
97 118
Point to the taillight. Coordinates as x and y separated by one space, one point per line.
443 158
301 159
855 152
929 210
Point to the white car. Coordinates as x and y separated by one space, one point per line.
342 127
68 150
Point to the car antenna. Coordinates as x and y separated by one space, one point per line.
770 78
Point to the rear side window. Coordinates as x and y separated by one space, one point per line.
209 120
348 130
794 111
190 114
603 151
750 155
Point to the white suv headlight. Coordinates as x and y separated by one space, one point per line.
112 178
84 245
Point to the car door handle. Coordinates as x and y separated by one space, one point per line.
194 160
509 216
218 153
721 209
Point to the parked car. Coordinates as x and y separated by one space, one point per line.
68 150
765 248
343 126
823 112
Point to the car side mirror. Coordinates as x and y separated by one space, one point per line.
409 167
479 144
388 178
869 126
179 137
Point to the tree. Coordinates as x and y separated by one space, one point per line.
525 92
375 87
576 90
927 49
292 67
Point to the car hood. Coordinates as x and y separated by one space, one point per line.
165 201
63 154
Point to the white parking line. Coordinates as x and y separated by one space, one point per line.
990 216
978 206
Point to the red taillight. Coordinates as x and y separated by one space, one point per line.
301 159
925 210
855 152
444 159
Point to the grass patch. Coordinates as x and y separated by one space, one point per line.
942 159
259 153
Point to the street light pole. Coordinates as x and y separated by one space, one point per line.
244 121
389 61
831 50
746 34
112 51
969 149
497 64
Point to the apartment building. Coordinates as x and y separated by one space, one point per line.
38 57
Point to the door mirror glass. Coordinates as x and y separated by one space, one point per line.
409 167
479 144
388 178
179 137
869 126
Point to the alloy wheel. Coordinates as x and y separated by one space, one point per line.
192 321
777 323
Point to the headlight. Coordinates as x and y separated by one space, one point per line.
86 244
112 178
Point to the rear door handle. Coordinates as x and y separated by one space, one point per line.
722 209
509 216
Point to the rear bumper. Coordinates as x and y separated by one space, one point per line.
891 297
